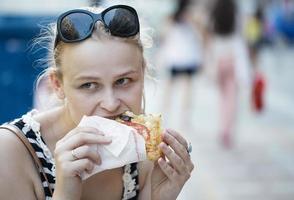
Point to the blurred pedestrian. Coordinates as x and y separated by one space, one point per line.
224 44
284 20
181 54
254 32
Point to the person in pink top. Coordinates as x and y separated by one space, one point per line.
223 46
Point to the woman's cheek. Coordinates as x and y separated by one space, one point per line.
79 106
134 99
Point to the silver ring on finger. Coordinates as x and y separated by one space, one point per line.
189 148
74 155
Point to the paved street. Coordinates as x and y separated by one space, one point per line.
261 164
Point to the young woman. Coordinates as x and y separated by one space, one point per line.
181 53
224 53
98 68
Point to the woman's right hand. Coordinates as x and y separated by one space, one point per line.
73 155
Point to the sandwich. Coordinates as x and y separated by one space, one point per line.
148 126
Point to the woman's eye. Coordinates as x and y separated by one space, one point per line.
89 86
122 81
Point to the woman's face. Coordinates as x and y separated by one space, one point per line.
103 78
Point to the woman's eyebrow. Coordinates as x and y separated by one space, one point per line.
81 78
127 73
95 78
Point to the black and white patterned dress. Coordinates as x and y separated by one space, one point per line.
31 129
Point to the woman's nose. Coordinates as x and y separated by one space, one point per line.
110 102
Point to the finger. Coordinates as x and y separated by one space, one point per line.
85 151
82 129
77 167
175 160
178 147
86 138
81 139
178 136
168 170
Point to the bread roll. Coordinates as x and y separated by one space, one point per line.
149 126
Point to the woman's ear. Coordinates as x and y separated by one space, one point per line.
56 84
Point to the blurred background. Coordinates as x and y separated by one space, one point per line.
222 76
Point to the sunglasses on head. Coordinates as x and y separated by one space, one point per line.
77 25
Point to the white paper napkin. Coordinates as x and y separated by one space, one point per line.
127 145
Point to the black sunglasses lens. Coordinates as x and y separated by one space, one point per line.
121 22
76 26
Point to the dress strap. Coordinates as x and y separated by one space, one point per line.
31 130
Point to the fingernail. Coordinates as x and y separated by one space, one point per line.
162 145
160 161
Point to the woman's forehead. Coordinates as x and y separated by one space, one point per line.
103 55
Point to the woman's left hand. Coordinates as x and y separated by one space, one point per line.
169 175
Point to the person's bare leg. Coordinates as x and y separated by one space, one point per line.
229 112
228 103
187 94
186 101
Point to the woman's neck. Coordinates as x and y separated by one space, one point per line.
55 124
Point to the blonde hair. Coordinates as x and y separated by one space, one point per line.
52 63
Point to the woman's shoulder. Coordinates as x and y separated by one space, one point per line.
13 154
12 150
16 167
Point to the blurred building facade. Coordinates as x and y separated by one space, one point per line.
20 22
